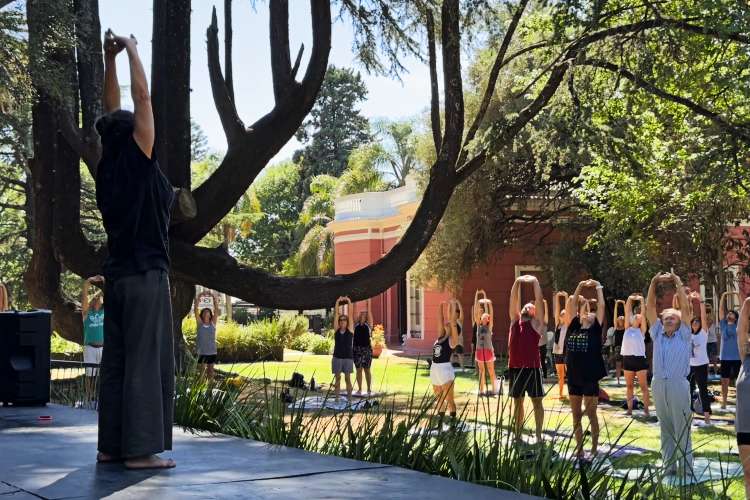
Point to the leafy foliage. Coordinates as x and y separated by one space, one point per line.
264 339
275 200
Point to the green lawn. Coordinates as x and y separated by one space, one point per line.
398 376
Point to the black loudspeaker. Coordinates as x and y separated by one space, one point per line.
25 357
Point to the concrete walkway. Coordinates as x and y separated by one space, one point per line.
55 460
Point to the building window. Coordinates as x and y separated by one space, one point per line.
415 298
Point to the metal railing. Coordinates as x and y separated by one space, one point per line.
74 383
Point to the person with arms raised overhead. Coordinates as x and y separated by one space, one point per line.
524 365
671 390
633 351
205 333
92 314
729 355
135 200
585 365
742 417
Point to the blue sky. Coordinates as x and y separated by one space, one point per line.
388 98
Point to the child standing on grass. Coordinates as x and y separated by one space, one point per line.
205 332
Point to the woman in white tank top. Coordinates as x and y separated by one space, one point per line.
633 353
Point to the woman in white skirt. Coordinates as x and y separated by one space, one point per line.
441 370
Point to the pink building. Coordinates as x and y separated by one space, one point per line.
367 225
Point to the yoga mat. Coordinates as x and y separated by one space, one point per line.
704 470
320 402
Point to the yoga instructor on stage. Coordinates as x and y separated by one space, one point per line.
134 198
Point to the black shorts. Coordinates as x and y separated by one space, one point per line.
526 380
207 359
559 359
587 389
730 368
743 439
634 363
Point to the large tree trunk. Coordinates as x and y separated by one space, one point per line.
182 300
170 89
52 156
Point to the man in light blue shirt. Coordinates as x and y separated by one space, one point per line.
671 365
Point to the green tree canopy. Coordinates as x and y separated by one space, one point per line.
335 126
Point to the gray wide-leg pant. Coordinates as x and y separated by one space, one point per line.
672 400
137 371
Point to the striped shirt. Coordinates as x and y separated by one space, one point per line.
671 354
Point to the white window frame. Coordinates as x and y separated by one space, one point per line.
411 332
522 269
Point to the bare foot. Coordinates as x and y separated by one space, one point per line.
104 458
149 462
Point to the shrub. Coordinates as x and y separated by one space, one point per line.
292 327
260 340
305 342
62 348
322 345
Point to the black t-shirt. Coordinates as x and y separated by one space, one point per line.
584 352
135 200
441 350
342 345
362 335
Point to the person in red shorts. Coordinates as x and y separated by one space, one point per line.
484 353
524 365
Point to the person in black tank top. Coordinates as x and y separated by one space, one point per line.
343 347
441 369
363 349
457 359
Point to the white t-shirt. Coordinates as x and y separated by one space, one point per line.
543 339
698 353
559 347
633 343
712 332
610 336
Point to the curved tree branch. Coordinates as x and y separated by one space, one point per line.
248 155
452 81
234 129
228 48
281 64
489 91
434 86
739 132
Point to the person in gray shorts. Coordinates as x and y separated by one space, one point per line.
343 347
205 332
742 417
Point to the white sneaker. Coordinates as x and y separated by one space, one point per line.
357 393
